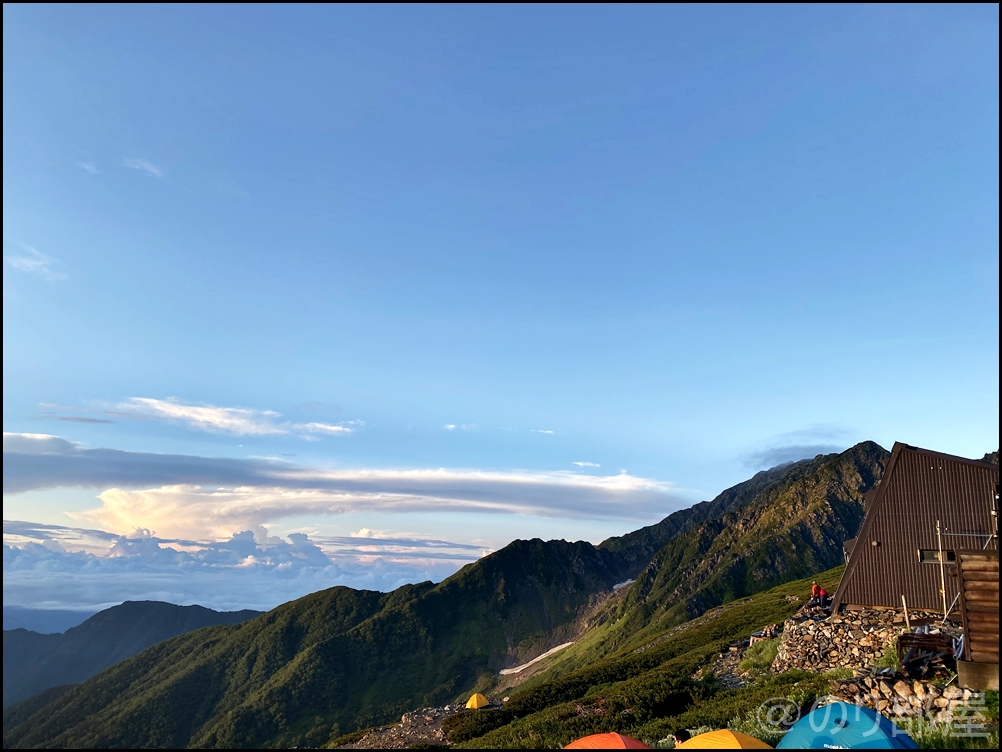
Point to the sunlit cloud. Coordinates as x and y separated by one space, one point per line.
33 261
586 464
543 430
143 165
184 496
237 421
63 567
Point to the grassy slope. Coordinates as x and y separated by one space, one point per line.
331 661
302 674
34 662
793 528
645 689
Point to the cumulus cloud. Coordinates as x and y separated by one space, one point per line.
238 421
41 570
143 165
33 261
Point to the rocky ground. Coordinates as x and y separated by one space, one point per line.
814 641
422 726
725 668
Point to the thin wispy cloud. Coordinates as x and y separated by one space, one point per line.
586 464
89 167
236 421
190 497
463 427
33 261
804 443
144 165
543 430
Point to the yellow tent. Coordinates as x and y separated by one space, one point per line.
723 740
477 701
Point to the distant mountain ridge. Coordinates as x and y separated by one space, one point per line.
34 662
792 529
343 659
43 621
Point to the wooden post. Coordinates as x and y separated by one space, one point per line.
942 568
904 603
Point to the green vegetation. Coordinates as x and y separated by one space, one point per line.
759 657
649 692
889 658
469 724
34 662
340 660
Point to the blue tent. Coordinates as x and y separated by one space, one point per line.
844 726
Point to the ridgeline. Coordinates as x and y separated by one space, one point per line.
340 660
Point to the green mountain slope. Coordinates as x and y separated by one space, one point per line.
342 659
345 657
33 662
792 529
648 691
638 547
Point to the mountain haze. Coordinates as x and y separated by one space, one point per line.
33 662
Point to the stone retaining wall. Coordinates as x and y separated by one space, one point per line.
852 639
904 698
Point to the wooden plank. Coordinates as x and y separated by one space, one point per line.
976 621
985 657
982 596
972 585
985 644
971 564
980 576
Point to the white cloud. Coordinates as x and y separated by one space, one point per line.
89 166
44 566
586 464
36 262
328 429
239 421
543 430
141 164
449 426
236 420
195 497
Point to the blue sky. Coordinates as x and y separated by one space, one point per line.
477 273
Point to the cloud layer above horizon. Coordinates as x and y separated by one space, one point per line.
54 566
170 526
190 496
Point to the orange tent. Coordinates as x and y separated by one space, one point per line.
723 739
606 741
477 701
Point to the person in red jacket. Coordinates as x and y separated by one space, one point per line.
823 600
815 594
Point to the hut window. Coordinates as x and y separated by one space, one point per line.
931 556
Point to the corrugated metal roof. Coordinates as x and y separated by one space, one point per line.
919 487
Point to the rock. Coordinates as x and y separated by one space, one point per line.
902 689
